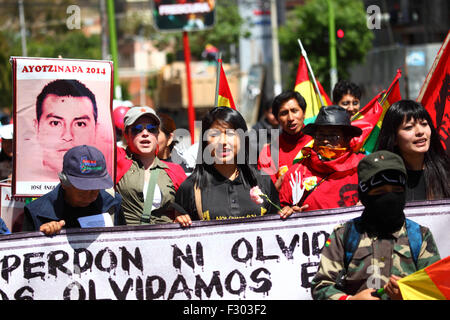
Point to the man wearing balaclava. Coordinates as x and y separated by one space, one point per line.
364 258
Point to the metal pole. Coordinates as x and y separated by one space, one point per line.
191 111
219 65
310 71
275 49
23 31
104 20
332 37
142 72
113 48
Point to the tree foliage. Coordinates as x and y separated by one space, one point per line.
5 74
309 23
70 44
47 36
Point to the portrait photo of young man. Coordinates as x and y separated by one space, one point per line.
56 111
66 116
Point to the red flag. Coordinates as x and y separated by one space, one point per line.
225 99
430 283
366 119
393 93
434 94
390 96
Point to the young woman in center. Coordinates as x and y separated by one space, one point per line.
219 187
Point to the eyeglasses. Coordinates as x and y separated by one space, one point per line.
331 138
135 130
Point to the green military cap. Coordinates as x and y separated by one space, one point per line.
377 162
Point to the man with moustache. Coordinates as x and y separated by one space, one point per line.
289 109
66 116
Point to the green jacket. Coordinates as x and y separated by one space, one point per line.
373 262
131 186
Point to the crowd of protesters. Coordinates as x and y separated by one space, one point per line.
155 184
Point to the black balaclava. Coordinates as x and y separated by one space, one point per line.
383 214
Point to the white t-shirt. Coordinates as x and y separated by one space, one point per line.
157 196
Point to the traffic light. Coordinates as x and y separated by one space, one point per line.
339 37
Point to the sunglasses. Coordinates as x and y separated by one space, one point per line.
330 137
151 128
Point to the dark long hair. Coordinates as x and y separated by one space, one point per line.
436 162
234 120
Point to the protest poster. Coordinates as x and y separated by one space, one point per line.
11 208
58 104
256 258
187 15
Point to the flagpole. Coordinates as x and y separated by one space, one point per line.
310 71
187 61
219 65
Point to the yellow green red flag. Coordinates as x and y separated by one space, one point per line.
391 96
225 99
366 119
430 283
306 88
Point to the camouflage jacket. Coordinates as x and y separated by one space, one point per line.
373 262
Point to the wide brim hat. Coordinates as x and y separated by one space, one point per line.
333 116
136 112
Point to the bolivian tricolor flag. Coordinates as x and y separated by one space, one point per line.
391 96
366 119
306 88
224 99
430 283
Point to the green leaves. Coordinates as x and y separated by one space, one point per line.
309 23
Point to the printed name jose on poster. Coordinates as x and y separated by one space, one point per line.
264 258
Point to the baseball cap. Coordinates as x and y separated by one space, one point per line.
85 168
379 161
136 112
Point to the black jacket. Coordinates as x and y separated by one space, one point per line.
52 207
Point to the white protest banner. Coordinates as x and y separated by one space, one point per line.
11 208
258 258
58 104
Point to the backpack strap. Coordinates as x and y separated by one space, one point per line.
352 237
351 240
415 238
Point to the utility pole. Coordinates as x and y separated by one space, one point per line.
113 48
104 20
275 48
332 37
23 31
